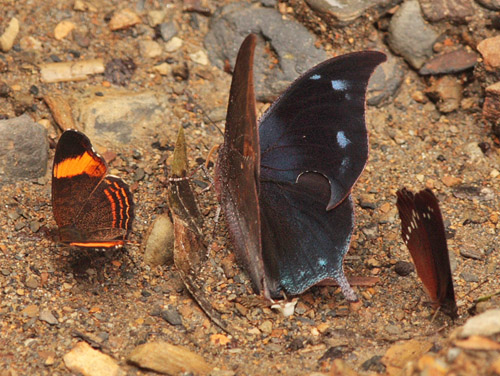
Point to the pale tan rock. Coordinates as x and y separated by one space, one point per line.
173 44
159 247
89 362
490 51
63 29
165 358
123 19
9 35
164 69
150 48
156 17
70 70
199 57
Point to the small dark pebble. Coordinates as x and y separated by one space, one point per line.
484 146
55 58
75 53
403 268
34 90
99 94
374 364
120 71
171 316
441 158
145 293
332 353
4 90
17 47
181 71
296 344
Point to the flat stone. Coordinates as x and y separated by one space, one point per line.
121 116
490 51
346 11
89 362
159 247
452 10
291 42
173 44
48 317
410 36
23 149
450 62
165 358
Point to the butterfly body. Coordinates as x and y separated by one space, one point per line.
284 184
91 209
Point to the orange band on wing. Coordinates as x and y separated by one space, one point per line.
83 164
109 244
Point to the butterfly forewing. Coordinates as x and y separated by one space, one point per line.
238 166
319 124
423 233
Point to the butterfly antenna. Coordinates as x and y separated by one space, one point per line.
202 110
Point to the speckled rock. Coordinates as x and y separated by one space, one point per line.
23 148
410 36
453 10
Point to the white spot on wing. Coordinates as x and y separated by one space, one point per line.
342 140
340 85
315 77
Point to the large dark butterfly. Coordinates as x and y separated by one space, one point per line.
423 233
284 185
91 208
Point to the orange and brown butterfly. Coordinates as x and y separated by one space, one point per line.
91 208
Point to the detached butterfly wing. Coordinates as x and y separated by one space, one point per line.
423 233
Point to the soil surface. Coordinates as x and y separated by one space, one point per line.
53 297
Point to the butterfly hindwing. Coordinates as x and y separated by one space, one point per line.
307 244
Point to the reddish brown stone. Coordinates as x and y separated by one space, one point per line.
450 62
491 107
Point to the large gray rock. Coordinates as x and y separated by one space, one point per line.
410 36
23 149
346 11
292 45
